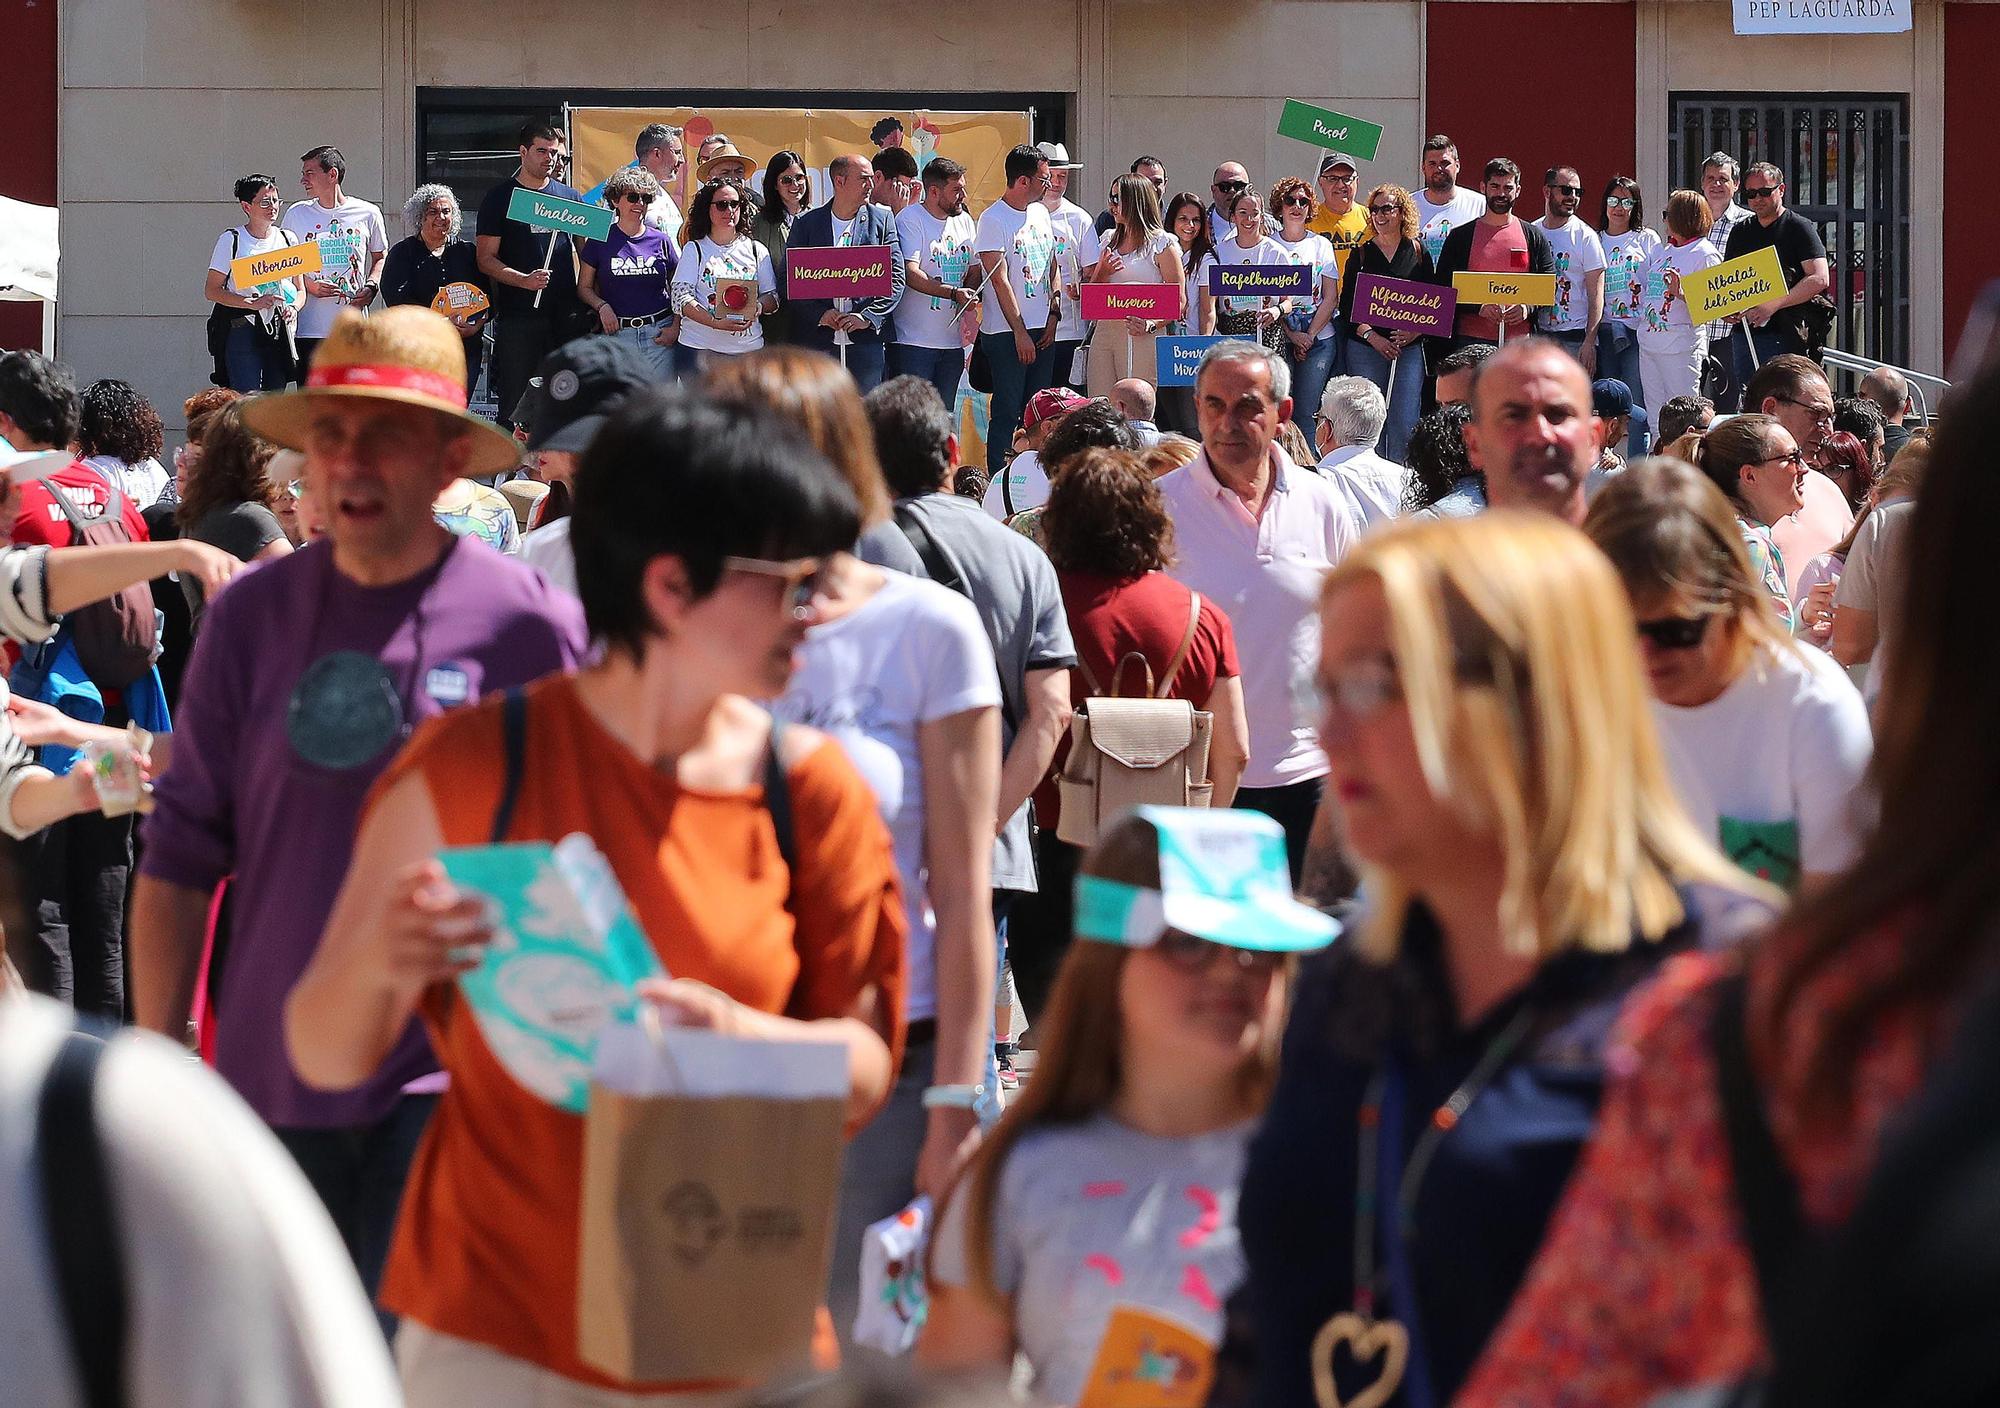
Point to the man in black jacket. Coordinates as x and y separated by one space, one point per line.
1498 242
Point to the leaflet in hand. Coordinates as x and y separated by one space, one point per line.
565 959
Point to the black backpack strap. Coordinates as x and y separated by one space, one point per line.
82 1221
514 758
1767 1194
936 560
778 801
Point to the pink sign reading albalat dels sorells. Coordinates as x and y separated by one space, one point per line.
857 271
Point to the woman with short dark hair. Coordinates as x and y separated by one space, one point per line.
251 330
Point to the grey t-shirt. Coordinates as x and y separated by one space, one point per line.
1013 585
242 530
1096 1216
1878 567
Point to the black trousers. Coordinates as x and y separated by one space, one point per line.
1293 807
520 341
1039 925
79 869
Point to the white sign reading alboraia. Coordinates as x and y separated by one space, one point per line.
1822 16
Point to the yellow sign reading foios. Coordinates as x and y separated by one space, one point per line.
1523 290
275 264
1734 285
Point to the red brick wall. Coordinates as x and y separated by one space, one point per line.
28 156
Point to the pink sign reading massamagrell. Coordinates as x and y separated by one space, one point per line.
859 271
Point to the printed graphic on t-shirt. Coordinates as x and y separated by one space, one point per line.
1624 285
952 257
1768 850
1564 286
1147 1360
1433 234
1033 248
342 250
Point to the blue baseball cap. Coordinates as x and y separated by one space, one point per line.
1223 877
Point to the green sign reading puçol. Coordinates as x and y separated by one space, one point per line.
1329 130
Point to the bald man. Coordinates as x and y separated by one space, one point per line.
847 328
1532 433
1890 390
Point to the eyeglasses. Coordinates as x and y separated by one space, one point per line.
1232 185
271 199
1621 203
1820 414
1567 190
1337 177
1361 691
1302 202
1796 460
1675 632
1385 210
804 577
1759 192
1193 955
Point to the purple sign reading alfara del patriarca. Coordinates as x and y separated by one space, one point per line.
1403 303
857 271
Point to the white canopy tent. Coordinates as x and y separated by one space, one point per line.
29 253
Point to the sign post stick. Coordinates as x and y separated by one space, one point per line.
1751 343
1501 321
548 260
1389 388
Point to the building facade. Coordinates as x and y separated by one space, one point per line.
136 115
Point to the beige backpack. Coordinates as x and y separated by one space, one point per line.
1132 752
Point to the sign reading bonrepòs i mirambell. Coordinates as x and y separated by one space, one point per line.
1179 357
1823 16
570 217
1333 131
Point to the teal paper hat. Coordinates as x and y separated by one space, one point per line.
1223 877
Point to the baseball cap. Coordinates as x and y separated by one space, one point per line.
1058 156
1333 159
1610 397
576 388
26 466
1050 401
1223 877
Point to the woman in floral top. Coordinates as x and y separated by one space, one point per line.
1645 1283
1757 465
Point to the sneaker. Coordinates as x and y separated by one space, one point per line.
1003 1057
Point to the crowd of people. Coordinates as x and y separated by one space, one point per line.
1349 882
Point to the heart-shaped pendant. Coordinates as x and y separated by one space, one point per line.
1365 1339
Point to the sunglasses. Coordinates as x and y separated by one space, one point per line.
1758 192
635 198
1385 210
1302 202
791 176
1621 203
725 205
804 578
1193 955
1232 185
1567 190
1675 632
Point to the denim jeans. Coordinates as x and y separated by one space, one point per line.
1310 374
1769 344
660 359
1013 384
254 362
864 362
1618 357
359 1174
1405 399
942 367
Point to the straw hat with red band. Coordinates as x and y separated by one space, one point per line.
406 354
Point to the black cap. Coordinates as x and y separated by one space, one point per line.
575 389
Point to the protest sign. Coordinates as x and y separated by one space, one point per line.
1105 302
1403 303
1524 290
1261 280
275 264
541 211
1329 130
1179 357
856 271
1733 285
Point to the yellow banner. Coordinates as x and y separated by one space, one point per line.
1734 285
601 142
1524 290
273 265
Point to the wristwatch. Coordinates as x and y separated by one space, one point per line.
954 1097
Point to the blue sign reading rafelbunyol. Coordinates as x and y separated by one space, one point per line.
1261 280
1178 358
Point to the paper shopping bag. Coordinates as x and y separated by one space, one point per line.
706 1229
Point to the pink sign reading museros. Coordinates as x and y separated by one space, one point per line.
1103 302
857 271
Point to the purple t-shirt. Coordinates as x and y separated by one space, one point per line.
256 787
633 271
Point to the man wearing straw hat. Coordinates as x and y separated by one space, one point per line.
310 673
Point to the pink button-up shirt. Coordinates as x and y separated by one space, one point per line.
1265 572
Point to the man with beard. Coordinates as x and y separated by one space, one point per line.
1532 433
1442 204
1579 307
1498 242
936 235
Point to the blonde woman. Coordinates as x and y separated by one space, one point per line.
1526 863
1390 357
1140 252
1095 1233
1767 741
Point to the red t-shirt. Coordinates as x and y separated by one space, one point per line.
1494 251
41 521
1109 619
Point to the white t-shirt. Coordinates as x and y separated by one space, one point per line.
142 483
913 653
1435 221
1027 482
234 244
1659 317
1077 248
703 262
1028 241
942 250
664 216
349 235
1230 254
239 1292
1626 258
548 548
1773 768
1317 250
1577 253
1197 280
1875 578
